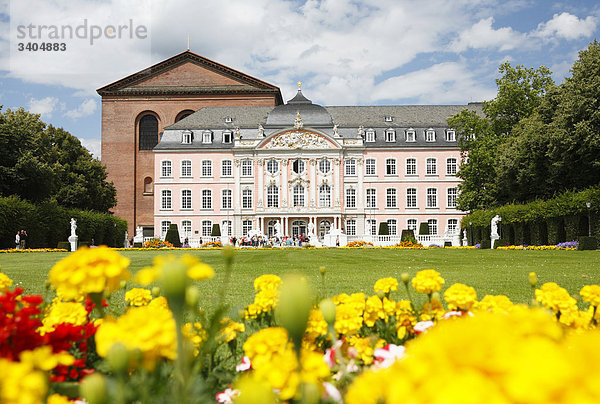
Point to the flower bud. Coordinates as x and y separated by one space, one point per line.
122 284
435 297
174 280
405 277
327 307
192 296
155 291
93 389
228 251
380 294
533 279
293 309
322 270
118 358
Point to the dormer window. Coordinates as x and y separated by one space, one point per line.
207 136
389 118
430 135
370 135
186 137
390 135
410 135
227 136
228 119
450 135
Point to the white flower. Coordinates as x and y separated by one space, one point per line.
422 326
245 365
386 356
227 396
332 392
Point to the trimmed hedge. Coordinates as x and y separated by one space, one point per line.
216 230
408 235
172 235
384 230
423 229
587 243
47 224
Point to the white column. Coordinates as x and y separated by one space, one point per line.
335 195
237 194
313 182
360 195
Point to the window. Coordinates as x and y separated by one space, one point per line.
410 135
148 130
350 167
272 166
411 198
392 226
186 228
431 166
226 227
206 228
350 198
246 168
165 200
389 118
450 135
298 195
371 198
186 137
371 227
411 166
390 135
227 136
207 136
148 188
164 228
370 167
452 196
186 199
246 227
206 168
430 135
226 168
272 196
432 198
183 114
206 199
226 198
351 227
298 166
452 227
228 119
411 224
370 136
324 166
325 196
390 167
451 166
165 168
247 199
391 201
186 168
433 226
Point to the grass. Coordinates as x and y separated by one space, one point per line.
348 270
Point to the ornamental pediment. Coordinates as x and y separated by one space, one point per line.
299 139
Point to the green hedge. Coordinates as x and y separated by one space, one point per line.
172 235
47 224
552 221
587 243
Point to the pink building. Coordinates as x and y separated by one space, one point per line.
301 167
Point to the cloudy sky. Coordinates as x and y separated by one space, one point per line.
345 52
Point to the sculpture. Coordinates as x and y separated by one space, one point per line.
311 228
494 226
335 130
73 226
139 231
278 229
261 131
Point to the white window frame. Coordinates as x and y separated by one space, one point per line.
451 168
298 195
226 198
166 169
370 166
432 199
371 227
247 168
390 136
300 164
227 136
186 168
410 166
247 199
412 224
246 226
452 228
392 226
371 198
350 167
226 168
186 228
164 228
430 135
207 199
391 166
226 227
370 136
431 166
186 137
351 227
450 135
207 168
350 198
411 135
186 199
391 198
206 227
207 137
272 166
411 198
272 196
452 197
166 199
324 166
433 226
325 196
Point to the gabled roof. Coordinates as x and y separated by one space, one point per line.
247 84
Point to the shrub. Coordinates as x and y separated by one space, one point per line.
216 230
172 235
486 244
587 243
424 229
501 242
64 245
384 230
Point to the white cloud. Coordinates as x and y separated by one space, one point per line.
93 145
482 35
567 26
44 106
86 108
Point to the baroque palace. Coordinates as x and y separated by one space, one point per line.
193 142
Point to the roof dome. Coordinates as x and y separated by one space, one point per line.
312 115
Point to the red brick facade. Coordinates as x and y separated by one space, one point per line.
185 82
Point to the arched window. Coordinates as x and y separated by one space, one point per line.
148 129
183 114
298 195
148 188
325 196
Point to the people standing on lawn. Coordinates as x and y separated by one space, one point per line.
18 240
23 240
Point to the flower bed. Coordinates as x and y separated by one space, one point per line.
360 243
212 244
162 347
408 244
157 243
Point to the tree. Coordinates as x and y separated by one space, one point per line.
39 162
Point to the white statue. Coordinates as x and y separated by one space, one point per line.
361 131
494 226
335 130
261 131
311 228
237 133
126 240
73 227
465 234
278 229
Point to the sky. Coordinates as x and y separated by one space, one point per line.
369 52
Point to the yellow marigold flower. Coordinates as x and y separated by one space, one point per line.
349 316
365 347
589 293
21 383
160 302
195 269
195 334
386 285
267 281
427 281
460 297
552 296
494 303
373 310
138 297
58 399
43 358
432 311
230 330
149 329
316 326
5 281
89 270
63 312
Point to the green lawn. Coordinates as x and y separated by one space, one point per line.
489 271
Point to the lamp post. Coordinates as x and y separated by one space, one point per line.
589 205
471 233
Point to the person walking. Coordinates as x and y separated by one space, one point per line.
23 242
18 240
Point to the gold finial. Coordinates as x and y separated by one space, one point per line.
188 48
299 85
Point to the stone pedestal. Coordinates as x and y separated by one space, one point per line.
74 240
465 242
